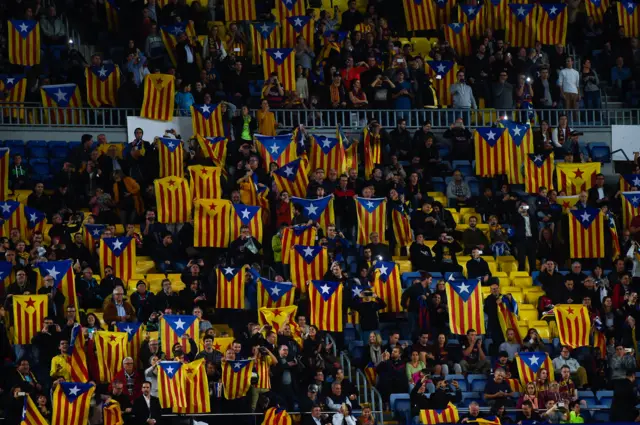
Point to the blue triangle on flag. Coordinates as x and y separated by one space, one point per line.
595 3
289 171
103 71
175 29
275 145
5 270
471 11
586 216
131 328
534 360
632 180
325 288
633 198
206 109
264 28
538 159
464 288
313 208
385 268
370 204
10 81
456 27
56 269
33 216
279 55
326 144
170 368
516 130
73 390
300 229
215 140
117 245
521 11
245 212
276 290
238 365
7 208
61 94
95 230
289 4
169 143
230 272
630 7
441 3
23 27
553 10
308 253
491 135
356 290
298 22
441 68
180 323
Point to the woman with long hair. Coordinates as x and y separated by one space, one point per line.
530 394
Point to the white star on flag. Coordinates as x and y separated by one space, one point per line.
6 207
456 25
538 158
24 413
205 108
102 72
23 27
96 232
441 69
53 273
170 370
630 6
517 131
171 145
180 324
274 148
10 80
297 22
635 200
491 135
356 291
117 245
585 216
33 217
74 391
384 269
288 171
369 204
128 330
275 291
312 209
521 11
177 30
245 213
325 288
534 359
326 143
60 95
636 181
553 10
237 365
472 11
228 270
278 54
308 251
265 28
463 288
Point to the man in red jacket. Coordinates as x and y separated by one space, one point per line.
131 378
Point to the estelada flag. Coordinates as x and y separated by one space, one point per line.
92 235
296 235
4 173
307 263
464 299
629 18
538 171
29 312
31 414
279 149
195 385
63 280
222 343
596 9
508 311
552 23
211 223
277 317
372 217
275 294
401 225
419 15
496 14
630 207
277 415
206 120
443 9
120 254
103 83
567 202
519 145
264 35
287 8
159 97
173 200
112 413
111 349
325 301
575 178
24 42
492 151
240 10
629 182
448 415
457 34
7 275
135 336
71 403
236 378
78 353
443 74
298 26
205 182
371 374
62 102
113 15
293 177
531 363
350 149
170 36
521 25
372 152
176 329
327 153
230 287
214 148
245 215
474 17
35 219
586 233
170 385
319 210
280 61
574 324
170 156
14 88
387 285
12 217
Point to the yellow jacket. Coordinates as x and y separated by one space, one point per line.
61 367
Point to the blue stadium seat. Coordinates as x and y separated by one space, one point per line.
469 396
444 151
474 185
58 149
588 397
599 152
401 405
605 397
37 149
600 416
356 350
350 333
462 381
438 184
40 166
56 164
73 145
464 167
16 147
408 277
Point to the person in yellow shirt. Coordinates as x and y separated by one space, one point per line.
264 359
266 120
61 364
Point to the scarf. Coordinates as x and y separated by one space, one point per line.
376 354
335 93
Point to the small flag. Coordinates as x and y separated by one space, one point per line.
29 311
176 329
170 35
111 349
308 263
135 335
372 217
629 182
281 61
293 177
159 94
92 235
277 415
63 280
586 233
538 171
298 26
230 284
596 9
630 207
120 254
196 388
214 148
457 34
173 200
464 299
530 364
474 17
245 215
401 225
296 235
288 8
372 152
443 11
12 217
170 156
496 14
31 414
508 316
236 378
521 25
206 120
78 354
62 102
629 18
491 147
112 413
325 300
264 35
14 90
102 83
275 294
170 385
387 285
205 182
24 42
449 415
552 23
574 325
567 202
35 219
519 145
419 15
72 403
443 74
319 210
211 223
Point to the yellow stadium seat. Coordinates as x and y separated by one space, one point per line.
523 282
222 329
488 258
430 244
400 258
145 267
404 266
532 296
467 216
493 267
542 327
463 259
506 259
462 227
516 273
486 290
456 216
517 296
467 210
434 194
522 329
553 328
508 266
143 258
119 229
421 45
528 315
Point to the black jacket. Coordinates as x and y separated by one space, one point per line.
369 319
478 268
142 412
421 257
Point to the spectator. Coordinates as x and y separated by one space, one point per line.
589 83
569 83
621 362
498 390
130 377
528 413
61 364
502 94
458 190
147 405
119 310
53 28
474 238
391 373
474 359
621 76
624 397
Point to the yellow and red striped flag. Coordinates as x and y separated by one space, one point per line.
135 335
586 233
280 61
92 235
401 225
14 88
538 171
457 34
112 413
319 210
575 178
519 145
419 15
279 149
173 200
272 294
103 83
474 17
71 403
63 280
214 148
78 354
600 341
296 26
464 299
350 149
327 153
170 36
307 263
35 219
170 385
596 9
448 415
211 223
4 173
372 217
245 215
222 343
276 416
61 102
372 152
288 8
443 10
277 317
629 182
629 18
297 235
496 14
159 97
205 182
29 312
120 254
24 42
387 285
230 287
530 364
236 378
371 374
293 177
170 156
111 349
7 274
491 147
552 23
240 10
574 324
178 329
567 202
206 120
12 217
264 35
325 305
630 207
443 74
31 414
521 25
195 385
508 316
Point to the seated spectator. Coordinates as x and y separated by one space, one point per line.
168 256
576 371
511 345
119 310
343 416
528 413
621 77
533 341
567 389
19 174
477 267
530 394
445 250
245 249
458 191
89 290
474 359
474 413
357 97
498 390
555 414
621 362
444 357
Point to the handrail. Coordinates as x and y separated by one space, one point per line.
345 363
362 385
329 339
376 404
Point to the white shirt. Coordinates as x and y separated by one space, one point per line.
189 54
600 192
569 80
527 226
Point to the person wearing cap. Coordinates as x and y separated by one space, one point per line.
307 402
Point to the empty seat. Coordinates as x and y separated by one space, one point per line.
15 147
40 167
599 152
528 315
605 397
37 149
522 282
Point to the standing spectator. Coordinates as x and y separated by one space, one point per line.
545 93
569 83
403 93
351 17
625 397
502 94
462 95
589 83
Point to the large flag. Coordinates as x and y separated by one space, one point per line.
135 335
630 207
63 280
120 254
78 354
171 33
401 225
372 217
492 151
307 263
574 324
170 156
538 171
206 120
173 200
264 35
170 385
629 182
521 25
293 177
596 9
245 215
575 178
61 102
276 416
214 148
35 219
474 17
236 378
112 413
205 182
464 299
92 235
443 10
387 285
103 83
508 316
552 22
4 173
327 153
567 202
31 414
211 223
629 18
279 149
12 217
296 26
419 15
443 74
230 287
288 8
195 385
24 42
14 90
112 11
111 349
448 415
159 97
280 317
71 403
272 294
282 62
240 10
29 312
325 300
176 329
319 210
296 235
586 233
372 152
530 364
520 144
457 34
496 14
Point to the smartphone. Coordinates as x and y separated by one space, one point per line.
236 49
399 60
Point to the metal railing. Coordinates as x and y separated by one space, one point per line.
376 404
345 364
362 385
329 339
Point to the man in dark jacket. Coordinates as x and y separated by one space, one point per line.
401 140
168 256
412 297
525 238
625 396
445 250
392 376
245 249
477 267
420 255
368 304
147 406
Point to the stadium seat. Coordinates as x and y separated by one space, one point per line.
532 295
37 149
477 382
528 316
438 184
599 152
464 167
40 167
421 46
542 327
15 147
461 381
605 397
588 397
522 282
470 396
515 274
474 186
409 277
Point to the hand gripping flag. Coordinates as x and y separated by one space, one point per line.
205 182
170 35
29 312
31 414
277 415
296 235
372 152
63 280
176 329
596 9
327 153
464 299
444 9
457 34
206 120
112 413
170 156
279 149
195 384
401 225
170 385
448 415
325 301
307 263
508 316
288 8
552 23
531 363
293 177
35 220
103 83
521 25
214 148
12 217
275 294
298 26
62 103
443 74
173 200
574 324
211 223
159 97
372 217
387 285
245 215
492 151
120 254
78 353
629 182
419 15
264 35
630 207
319 210
496 14
92 235
72 403
24 42
230 284
474 17
629 18
111 349
538 171
135 336
4 174
14 88
586 233
282 62
236 378
240 10
519 145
